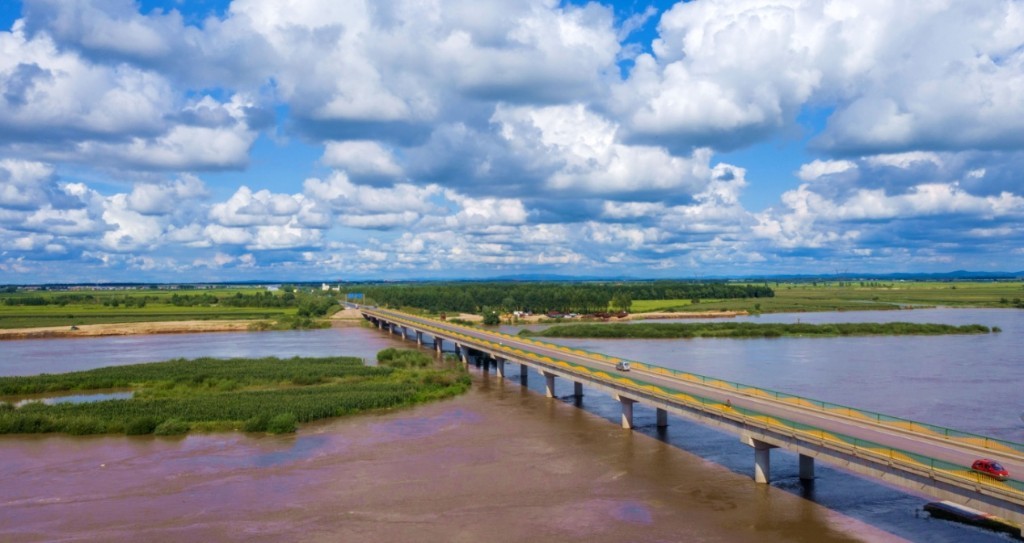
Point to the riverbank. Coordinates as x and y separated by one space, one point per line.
345 316
126 329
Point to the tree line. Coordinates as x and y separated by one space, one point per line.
546 297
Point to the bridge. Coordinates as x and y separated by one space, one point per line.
919 457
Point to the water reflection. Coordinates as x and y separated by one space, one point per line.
20 401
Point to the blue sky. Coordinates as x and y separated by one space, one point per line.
208 140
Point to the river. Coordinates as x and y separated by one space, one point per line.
506 464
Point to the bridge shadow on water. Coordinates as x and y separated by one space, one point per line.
884 507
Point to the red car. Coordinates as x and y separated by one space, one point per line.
991 468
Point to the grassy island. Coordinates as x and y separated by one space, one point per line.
211 395
751 330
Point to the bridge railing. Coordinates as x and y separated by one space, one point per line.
986 442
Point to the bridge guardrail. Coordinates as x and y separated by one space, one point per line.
986 442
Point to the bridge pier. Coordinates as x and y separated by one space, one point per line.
662 417
523 374
501 368
577 389
486 363
405 333
762 458
627 411
549 384
463 354
419 338
438 344
806 467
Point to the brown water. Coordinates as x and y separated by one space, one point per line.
498 464
504 463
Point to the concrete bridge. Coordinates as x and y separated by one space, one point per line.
919 457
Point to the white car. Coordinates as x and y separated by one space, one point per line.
622 366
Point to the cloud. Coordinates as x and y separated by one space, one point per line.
344 195
361 157
59 105
261 208
165 197
818 168
581 151
492 137
725 74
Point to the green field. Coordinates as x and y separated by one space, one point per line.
854 295
254 395
67 308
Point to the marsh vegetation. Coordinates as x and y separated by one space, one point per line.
208 394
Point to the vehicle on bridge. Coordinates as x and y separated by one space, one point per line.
622 366
991 468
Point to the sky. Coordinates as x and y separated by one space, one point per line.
251 140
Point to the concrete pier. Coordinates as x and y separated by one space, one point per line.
577 389
806 467
501 367
549 384
523 374
419 338
627 411
762 461
662 416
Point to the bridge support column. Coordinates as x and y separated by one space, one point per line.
549 384
627 412
405 333
501 368
523 375
438 344
419 338
662 417
577 389
380 324
806 467
762 458
463 354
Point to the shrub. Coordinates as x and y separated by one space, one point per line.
171 427
258 423
80 426
141 426
282 424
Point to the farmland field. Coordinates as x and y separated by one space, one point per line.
855 295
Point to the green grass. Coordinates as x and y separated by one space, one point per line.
750 330
95 307
852 296
266 394
647 306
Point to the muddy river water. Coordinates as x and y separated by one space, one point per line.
503 463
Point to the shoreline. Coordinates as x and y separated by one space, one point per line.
345 316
